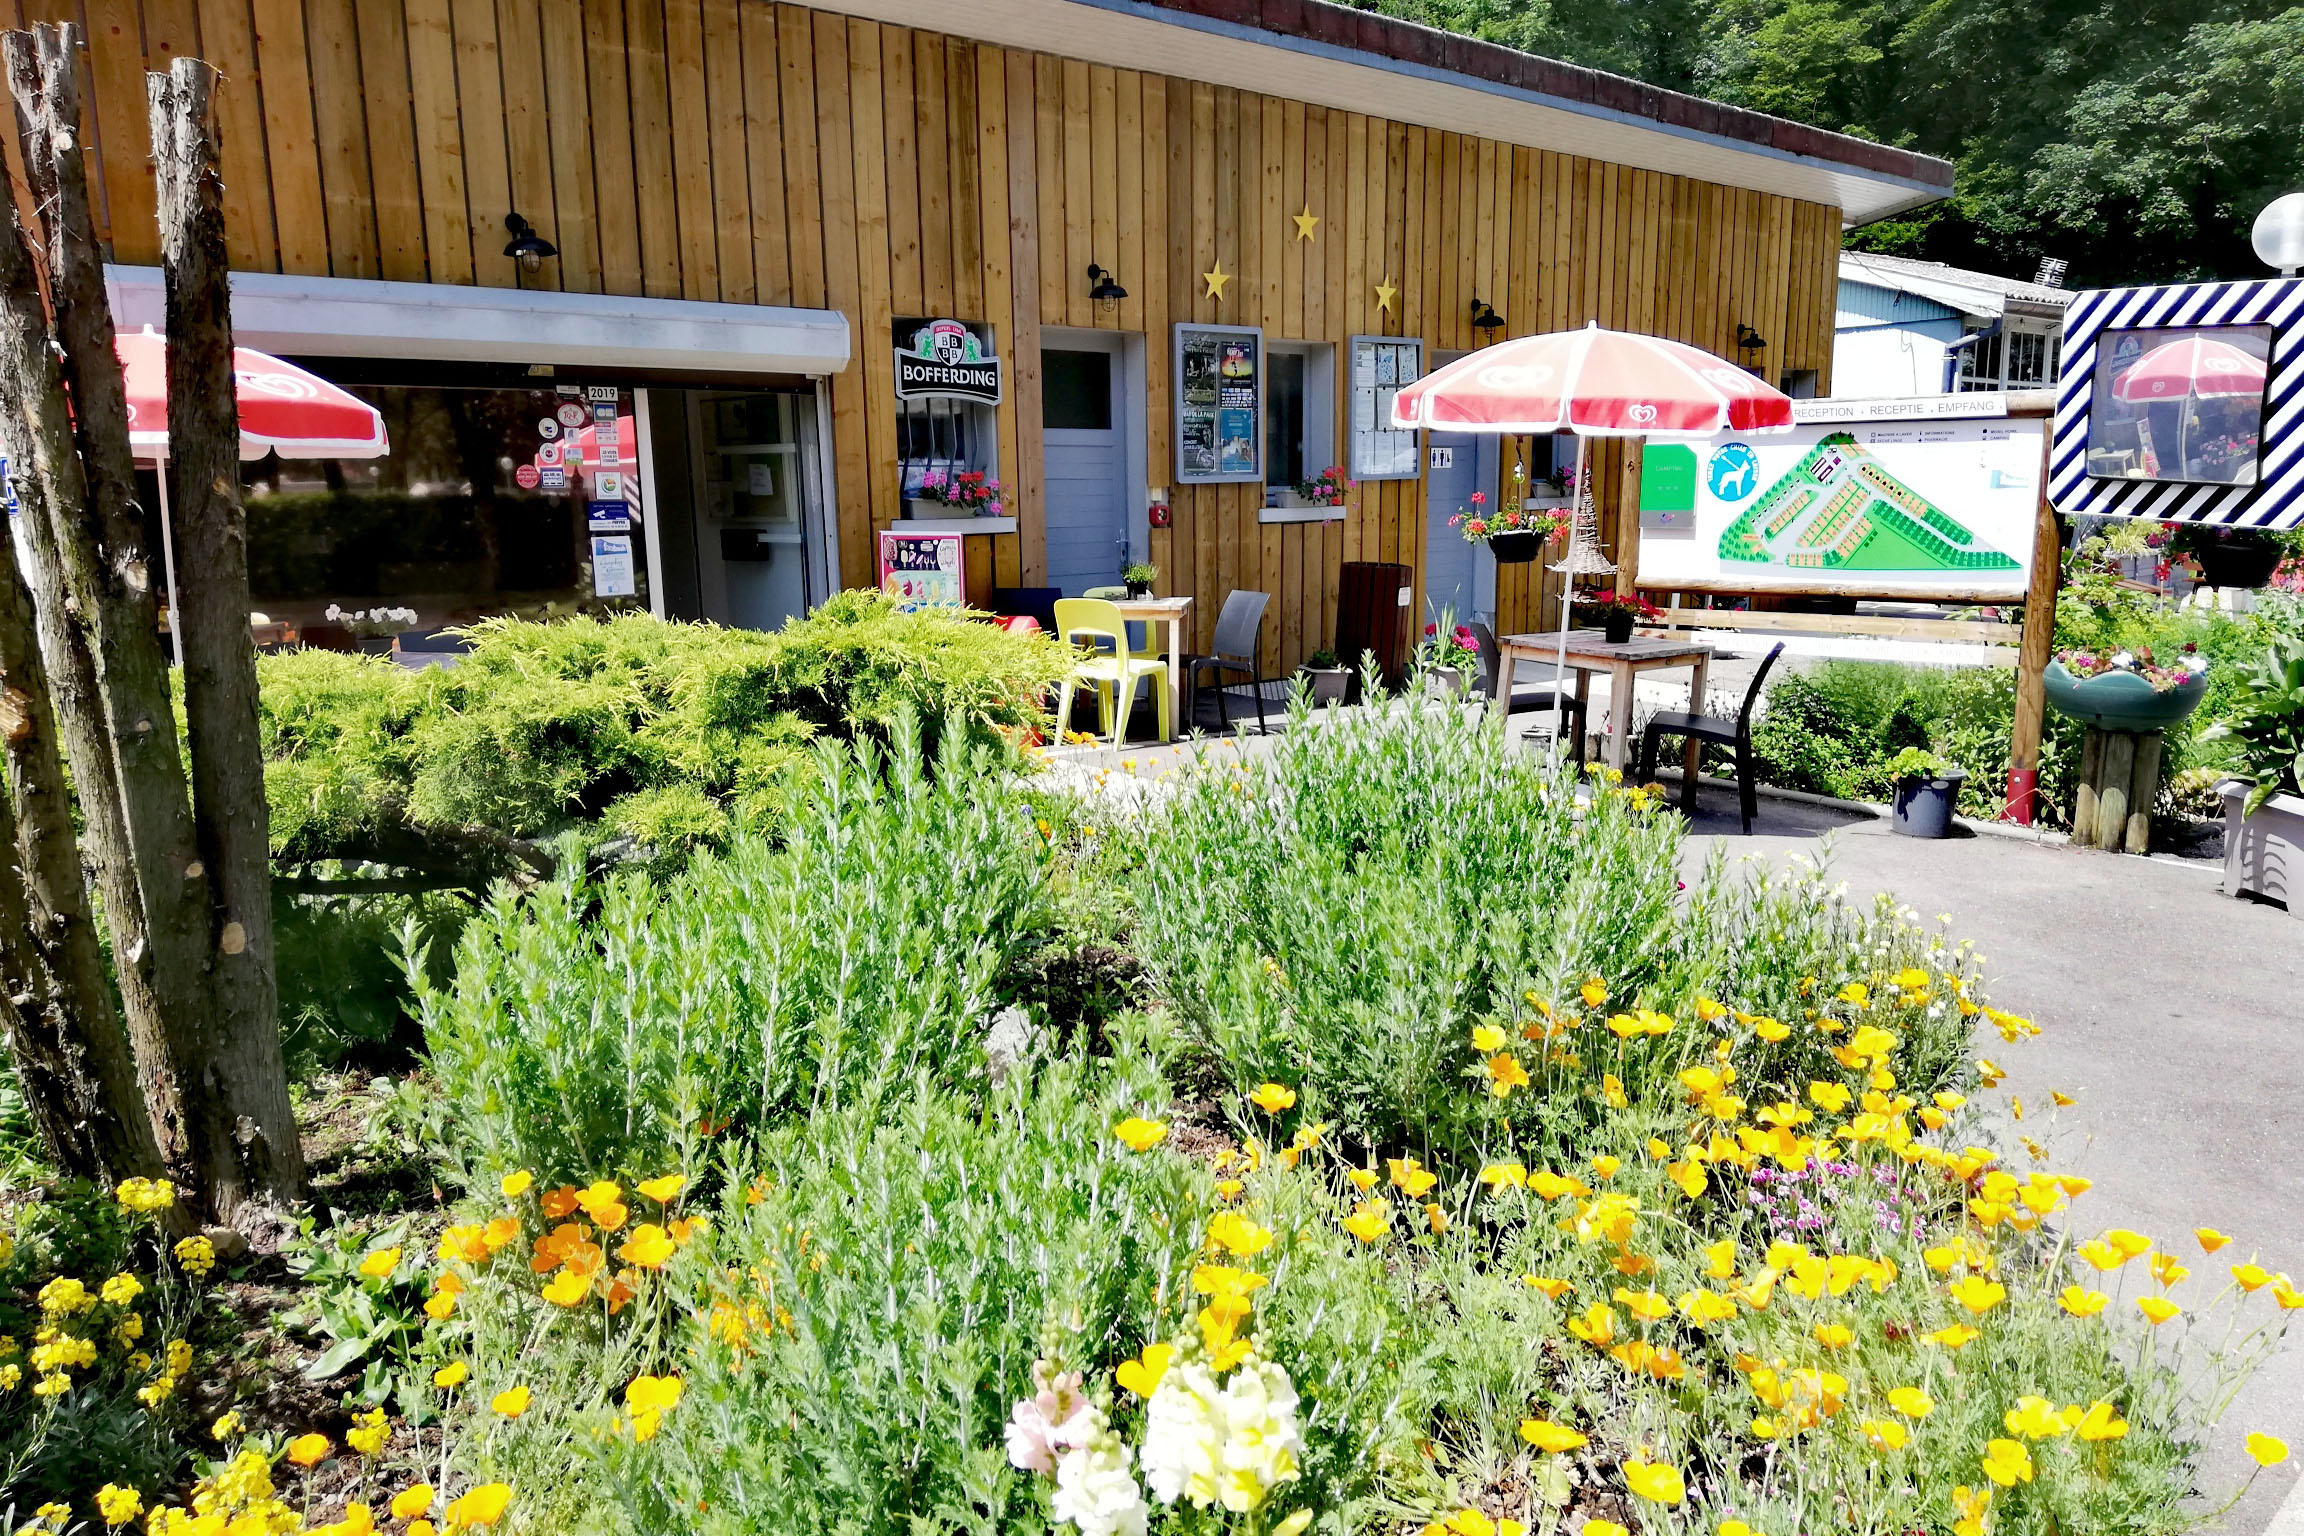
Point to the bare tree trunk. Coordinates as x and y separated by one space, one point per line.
191 925
228 807
64 1036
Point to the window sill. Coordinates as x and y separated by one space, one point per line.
967 525
1300 514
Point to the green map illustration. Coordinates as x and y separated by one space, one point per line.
1838 509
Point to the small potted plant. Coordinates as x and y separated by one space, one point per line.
1927 791
968 493
1329 677
2126 690
377 629
1617 613
1327 489
1138 577
2264 801
1449 658
1516 532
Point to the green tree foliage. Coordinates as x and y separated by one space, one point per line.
2136 142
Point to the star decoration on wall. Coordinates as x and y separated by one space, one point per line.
1385 294
1306 222
1216 280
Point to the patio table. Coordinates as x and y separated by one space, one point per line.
1590 652
1172 611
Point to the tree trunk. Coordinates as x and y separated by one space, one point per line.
64 1036
191 925
228 808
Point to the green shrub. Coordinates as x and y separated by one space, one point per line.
606 1026
544 727
1433 884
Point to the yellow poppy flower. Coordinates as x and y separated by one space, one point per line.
2100 1422
1139 1134
411 1501
2251 1277
1552 1288
2209 1238
1884 1434
1505 1074
1978 1294
2157 1308
2007 1463
380 1263
514 1186
308 1450
661 1190
2267 1450
1368 1221
1550 1437
511 1403
1657 1482
484 1505
1272 1098
1911 1402
2083 1303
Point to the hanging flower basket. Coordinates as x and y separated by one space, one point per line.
1517 548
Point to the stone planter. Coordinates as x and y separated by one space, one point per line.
1923 806
2264 852
1329 684
2121 701
1445 683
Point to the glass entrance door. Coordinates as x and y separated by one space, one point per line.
750 472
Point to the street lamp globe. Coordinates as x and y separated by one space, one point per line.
2279 233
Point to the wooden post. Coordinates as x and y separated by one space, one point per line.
2084 801
2039 640
2119 767
2143 790
2119 781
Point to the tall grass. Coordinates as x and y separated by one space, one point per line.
600 1026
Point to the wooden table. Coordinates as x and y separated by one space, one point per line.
1172 611
1590 652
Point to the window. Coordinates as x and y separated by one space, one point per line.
1979 368
1800 384
1075 390
1299 412
2032 359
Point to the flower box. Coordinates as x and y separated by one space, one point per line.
2121 701
919 509
2264 851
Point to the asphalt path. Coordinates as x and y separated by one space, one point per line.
2172 1013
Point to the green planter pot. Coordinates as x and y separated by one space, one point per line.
2121 701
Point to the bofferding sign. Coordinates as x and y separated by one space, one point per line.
945 360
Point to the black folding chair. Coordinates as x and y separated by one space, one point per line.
1525 701
1703 727
1237 647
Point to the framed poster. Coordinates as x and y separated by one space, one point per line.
1219 403
922 570
1380 366
1941 508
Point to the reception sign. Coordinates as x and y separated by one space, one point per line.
1887 508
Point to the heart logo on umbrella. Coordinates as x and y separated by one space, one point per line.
1642 413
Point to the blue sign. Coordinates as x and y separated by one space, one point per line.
1734 472
609 516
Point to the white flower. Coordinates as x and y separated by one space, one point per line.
1227 1445
1095 1492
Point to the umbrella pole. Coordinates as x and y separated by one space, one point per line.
1567 585
168 553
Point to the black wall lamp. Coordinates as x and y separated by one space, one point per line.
1485 320
526 246
1106 292
1748 339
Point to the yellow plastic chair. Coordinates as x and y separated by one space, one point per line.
1106 665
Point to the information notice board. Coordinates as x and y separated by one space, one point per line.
1919 508
1219 371
1381 365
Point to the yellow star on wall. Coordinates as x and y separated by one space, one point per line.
1216 280
1385 294
1305 223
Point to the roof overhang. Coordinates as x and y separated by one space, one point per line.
356 317
1333 55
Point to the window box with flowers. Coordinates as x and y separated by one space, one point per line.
1616 613
1517 531
967 493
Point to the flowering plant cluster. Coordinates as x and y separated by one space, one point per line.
1607 600
2163 676
373 623
973 489
1479 524
1327 489
1452 647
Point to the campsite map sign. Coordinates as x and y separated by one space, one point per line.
1941 508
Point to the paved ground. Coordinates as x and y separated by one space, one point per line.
2171 1012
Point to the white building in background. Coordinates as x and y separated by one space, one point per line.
1922 328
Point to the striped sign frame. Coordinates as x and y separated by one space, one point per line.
2276 500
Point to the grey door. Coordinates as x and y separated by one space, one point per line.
1459 576
1084 461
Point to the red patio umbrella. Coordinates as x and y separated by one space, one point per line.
2196 365
1593 383
283 408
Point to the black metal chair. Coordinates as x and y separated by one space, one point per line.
1526 701
1238 646
1702 727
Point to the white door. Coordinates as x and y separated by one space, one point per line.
1085 460
1459 576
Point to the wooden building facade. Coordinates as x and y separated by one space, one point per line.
748 153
